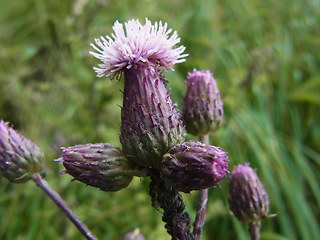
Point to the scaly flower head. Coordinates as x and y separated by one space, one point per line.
20 158
134 45
248 199
99 165
150 121
193 165
202 105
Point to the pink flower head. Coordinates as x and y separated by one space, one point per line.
137 45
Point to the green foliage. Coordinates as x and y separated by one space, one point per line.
266 57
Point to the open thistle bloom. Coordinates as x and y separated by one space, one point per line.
136 46
20 158
202 105
248 199
99 165
150 122
193 165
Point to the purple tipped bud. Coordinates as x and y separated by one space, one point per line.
202 105
99 165
194 166
248 199
20 158
134 235
150 124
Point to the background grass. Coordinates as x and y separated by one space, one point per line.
266 57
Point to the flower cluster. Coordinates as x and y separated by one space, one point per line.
152 131
152 134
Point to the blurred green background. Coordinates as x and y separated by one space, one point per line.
266 57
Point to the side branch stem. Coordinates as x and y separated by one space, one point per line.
202 203
62 205
254 230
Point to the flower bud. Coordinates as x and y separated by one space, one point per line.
20 158
99 165
202 105
248 199
134 235
194 166
150 122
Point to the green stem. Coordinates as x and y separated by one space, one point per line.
254 230
62 205
176 219
202 203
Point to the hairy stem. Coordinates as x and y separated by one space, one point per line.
62 205
254 230
176 219
202 203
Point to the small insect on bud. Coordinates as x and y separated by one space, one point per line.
202 105
99 165
248 199
194 166
20 158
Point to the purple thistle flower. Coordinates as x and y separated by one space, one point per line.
99 165
136 45
150 122
248 199
194 166
202 105
20 158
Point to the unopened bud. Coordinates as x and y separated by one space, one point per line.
248 199
202 105
99 165
20 158
194 166
134 235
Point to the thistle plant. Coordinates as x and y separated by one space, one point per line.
152 131
248 199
